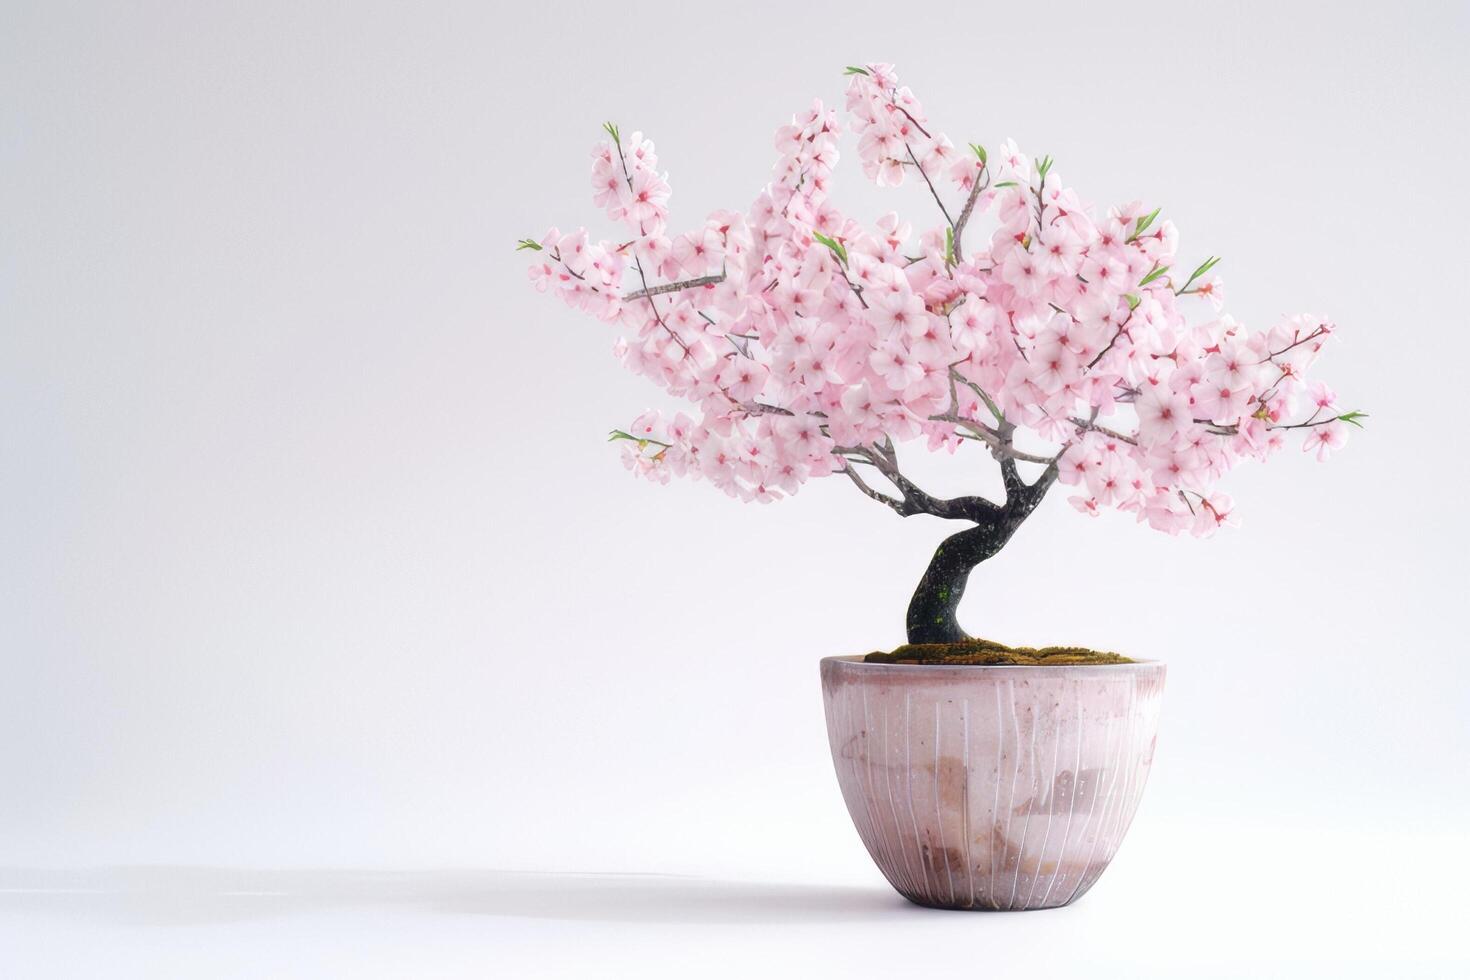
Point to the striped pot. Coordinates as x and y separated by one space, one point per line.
991 787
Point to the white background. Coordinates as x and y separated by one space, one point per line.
335 641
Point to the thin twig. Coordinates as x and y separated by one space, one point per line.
893 102
1309 337
1102 353
1088 425
882 498
923 173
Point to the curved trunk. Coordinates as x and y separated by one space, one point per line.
932 611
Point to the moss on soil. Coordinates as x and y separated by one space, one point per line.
992 654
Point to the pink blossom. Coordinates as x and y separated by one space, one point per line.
895 365
1219 402
1087 505
1212 513
800 338
1162 414
897 313
1212 289
1326 439
1107 480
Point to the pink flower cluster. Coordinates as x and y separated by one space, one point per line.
808 343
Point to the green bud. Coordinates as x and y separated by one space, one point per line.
1154 274
838 249
528 243
1144 223
1205 266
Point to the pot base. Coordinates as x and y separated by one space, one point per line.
946 907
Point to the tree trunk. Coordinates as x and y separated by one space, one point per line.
931 615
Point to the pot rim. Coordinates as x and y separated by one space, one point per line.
856 660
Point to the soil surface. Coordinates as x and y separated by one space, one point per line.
991 653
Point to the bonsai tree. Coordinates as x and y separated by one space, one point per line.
1071 347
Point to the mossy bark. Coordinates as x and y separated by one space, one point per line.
934 633
933 615
933 611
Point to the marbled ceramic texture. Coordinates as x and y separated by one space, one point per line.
991 787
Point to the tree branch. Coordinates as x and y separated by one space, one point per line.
979 393
1011 476
761 408
882 498
1000 448
959 226
1049 475
1215 428
915 500
673 287
1090 426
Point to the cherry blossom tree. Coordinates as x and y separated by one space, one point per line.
807 345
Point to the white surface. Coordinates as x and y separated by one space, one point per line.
1312 911
300 567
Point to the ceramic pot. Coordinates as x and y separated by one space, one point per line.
991 787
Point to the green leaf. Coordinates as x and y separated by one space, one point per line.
528 243
980 152
1133 300
1205 266
1007 183
611 129
1044 166
1158 271
838 249
617 434
1144 222
949 246
855 70
1352 418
